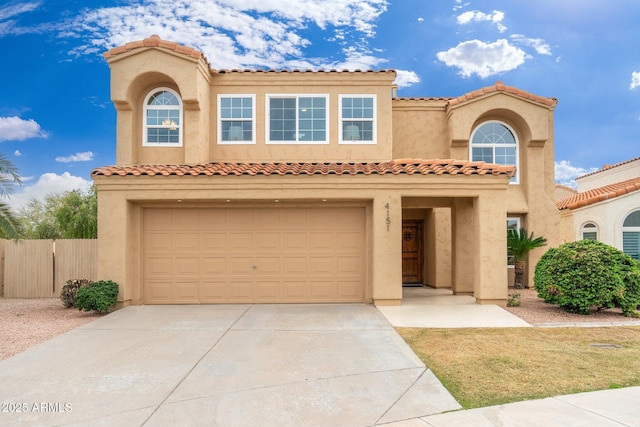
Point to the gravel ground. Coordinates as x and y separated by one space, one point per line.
534 310
27 322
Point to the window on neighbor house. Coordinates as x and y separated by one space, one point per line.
236 124
513 223
297 119
589 231
631 235
357 119
495 142
162 119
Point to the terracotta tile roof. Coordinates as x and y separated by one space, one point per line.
607 167
501 87
396 167
599 194
156 41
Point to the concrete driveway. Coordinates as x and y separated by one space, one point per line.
223 365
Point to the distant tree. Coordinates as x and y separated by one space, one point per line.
9 224
69 215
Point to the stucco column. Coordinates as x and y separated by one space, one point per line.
387 250
124 135
490 245
113 250
463 246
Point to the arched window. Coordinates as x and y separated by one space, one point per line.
631 235
589 231
495 142
162 119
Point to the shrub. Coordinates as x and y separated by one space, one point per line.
70 290
581 275
99 297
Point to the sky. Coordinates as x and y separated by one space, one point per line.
57 122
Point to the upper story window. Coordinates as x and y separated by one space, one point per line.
162 119
589 231
631 235
495 142
357 119
236 119
297 119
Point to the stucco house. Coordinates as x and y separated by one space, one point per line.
264 186
605 207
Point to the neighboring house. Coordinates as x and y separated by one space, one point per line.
251 186
606 207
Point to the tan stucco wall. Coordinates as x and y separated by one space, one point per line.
609 175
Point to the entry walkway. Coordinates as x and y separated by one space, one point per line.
438 308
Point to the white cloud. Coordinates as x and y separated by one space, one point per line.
483 59
406 78
420 19
635 80
14 9
539 45
566 173
476 16
48 183
17 153
77 157
16 129
231 33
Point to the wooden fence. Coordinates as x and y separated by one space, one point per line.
40 268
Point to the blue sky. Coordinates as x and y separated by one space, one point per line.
57 122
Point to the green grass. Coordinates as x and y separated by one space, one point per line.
491 366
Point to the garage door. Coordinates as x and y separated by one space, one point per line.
253 255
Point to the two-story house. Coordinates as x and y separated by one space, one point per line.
262 186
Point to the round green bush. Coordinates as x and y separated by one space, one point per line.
579 276
99 297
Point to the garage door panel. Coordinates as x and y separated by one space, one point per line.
213 266
249 255
267 241
294 266
212 291
159 266
185 292
322 241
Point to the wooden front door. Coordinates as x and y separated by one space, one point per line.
412 252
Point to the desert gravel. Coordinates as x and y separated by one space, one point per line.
27 322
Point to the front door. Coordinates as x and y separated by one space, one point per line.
412 252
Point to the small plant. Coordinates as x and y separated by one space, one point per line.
70 290
514 300
519 244
579 276
99 297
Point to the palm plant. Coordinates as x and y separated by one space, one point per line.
519 244
9 227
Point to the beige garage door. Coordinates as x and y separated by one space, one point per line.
253 255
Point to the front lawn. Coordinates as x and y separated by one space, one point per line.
491 366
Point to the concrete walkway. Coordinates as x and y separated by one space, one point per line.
438 308
223 365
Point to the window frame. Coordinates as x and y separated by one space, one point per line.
373 120
631 229
516 178
592 228
518 221
146 127
297 97
221 119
